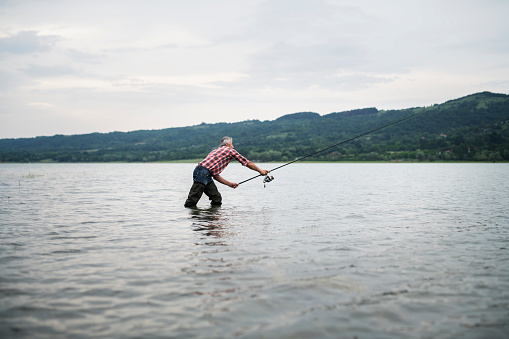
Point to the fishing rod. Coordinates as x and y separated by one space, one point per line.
268 179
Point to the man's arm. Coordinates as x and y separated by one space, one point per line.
252 166
225 182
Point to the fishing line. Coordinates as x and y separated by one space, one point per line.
335 145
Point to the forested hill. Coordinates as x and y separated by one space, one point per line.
475 127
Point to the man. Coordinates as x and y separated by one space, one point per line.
211 167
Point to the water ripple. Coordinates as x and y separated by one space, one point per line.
381 251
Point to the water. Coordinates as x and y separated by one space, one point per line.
324 251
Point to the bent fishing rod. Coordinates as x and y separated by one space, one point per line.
335 145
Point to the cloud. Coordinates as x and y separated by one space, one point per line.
303 66
8 80
284 58
5 2
41 105
85 57
48 71
26 42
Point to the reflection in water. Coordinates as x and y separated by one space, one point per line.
210 222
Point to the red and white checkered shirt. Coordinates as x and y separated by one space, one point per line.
219 158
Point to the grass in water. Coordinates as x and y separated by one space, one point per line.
31 176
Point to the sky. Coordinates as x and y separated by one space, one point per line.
76 67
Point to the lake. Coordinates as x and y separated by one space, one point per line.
324 251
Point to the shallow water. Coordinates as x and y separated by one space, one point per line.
324 251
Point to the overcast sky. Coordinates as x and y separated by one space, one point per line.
75 66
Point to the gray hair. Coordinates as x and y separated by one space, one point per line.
225 141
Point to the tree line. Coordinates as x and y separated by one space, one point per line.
472 128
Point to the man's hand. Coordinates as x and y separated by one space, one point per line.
252 166
225 182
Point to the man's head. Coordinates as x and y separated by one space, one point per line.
226 141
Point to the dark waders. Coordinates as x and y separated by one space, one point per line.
198 189
201 176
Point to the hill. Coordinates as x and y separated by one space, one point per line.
474 127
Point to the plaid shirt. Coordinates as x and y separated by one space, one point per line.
219 158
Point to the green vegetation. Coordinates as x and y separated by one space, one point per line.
473 128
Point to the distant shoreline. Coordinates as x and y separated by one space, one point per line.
196 161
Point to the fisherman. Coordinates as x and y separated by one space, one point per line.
211 167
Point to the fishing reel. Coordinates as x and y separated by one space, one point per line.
267 179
